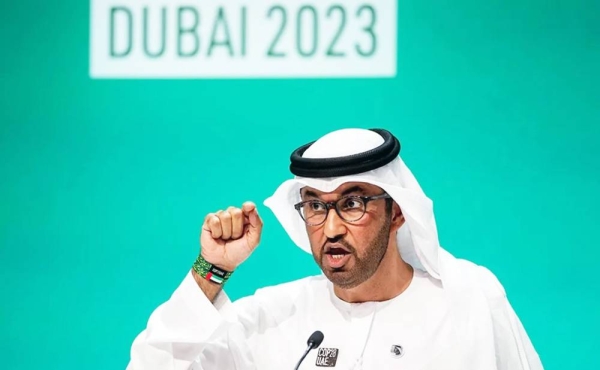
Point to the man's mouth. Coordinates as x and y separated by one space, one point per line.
337 255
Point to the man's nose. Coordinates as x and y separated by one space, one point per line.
334 226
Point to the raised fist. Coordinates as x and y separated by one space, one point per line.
229 237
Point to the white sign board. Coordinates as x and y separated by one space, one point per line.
242 38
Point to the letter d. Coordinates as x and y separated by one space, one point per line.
127 13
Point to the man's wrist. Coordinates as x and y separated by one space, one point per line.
222 266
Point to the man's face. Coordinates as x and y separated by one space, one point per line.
349 253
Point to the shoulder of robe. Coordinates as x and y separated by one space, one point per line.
291 290
281 300
467 275
481 278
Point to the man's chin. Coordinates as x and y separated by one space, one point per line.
341 278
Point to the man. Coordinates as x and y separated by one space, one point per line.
389 297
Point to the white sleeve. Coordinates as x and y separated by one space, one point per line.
514 349
190 332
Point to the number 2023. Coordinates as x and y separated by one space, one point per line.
366 12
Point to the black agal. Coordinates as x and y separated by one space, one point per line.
347 165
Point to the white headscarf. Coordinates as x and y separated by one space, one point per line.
417 238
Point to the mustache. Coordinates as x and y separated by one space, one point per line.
339 240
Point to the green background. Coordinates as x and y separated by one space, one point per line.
104 183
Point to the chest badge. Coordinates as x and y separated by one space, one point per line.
327 357
397 351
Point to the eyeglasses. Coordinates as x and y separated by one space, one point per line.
350 208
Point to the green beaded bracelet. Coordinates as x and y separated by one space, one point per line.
210 272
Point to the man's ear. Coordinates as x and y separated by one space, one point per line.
397 217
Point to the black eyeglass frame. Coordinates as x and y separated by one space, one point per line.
334 205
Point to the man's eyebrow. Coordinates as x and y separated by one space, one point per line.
310 193
350 190
353 189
